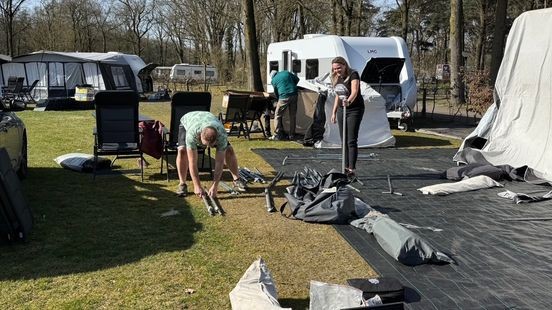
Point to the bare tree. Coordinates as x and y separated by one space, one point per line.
456 49
138 19
9 9
79 14
175 27
103 15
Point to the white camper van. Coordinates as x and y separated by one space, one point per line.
195 72
383 63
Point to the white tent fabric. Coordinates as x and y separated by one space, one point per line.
522 129
374 128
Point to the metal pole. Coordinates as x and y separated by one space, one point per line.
343 141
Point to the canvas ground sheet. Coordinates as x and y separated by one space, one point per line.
503 250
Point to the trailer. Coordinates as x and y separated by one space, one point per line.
180 72
383 63
161 73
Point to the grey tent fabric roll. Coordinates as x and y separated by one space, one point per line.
404 245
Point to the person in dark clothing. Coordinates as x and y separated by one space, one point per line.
343 74
285 89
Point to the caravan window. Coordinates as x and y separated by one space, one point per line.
13 69
180 72
273 65
93 75
119 77
210 73
197 72
311 69
55 74
73 75
296 66
38 71
286 59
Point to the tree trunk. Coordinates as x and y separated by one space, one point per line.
498 40
456 48
359 19
302 24
404 16
334 17
480 45
252 53
229 54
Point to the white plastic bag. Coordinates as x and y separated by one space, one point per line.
255 290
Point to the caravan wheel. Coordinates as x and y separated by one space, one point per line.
404 126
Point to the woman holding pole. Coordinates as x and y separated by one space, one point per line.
348 110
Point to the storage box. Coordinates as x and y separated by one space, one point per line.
84 93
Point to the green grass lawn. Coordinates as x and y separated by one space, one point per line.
103 244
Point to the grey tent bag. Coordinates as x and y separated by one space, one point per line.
404 245
329 207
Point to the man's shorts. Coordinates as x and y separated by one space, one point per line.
181 136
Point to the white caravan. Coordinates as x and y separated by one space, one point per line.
161 73
195 72
383 63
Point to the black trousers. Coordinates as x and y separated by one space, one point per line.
354 118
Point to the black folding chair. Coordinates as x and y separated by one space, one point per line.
236 115
9 88
182 103
117 131
26 92
255 111
14 88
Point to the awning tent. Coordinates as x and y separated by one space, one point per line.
59 72
517 129
3 59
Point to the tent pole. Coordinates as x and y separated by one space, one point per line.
344 141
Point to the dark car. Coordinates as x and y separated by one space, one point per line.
13 137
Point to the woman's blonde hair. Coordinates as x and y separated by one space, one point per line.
334 77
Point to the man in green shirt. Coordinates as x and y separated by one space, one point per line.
202 128
285 89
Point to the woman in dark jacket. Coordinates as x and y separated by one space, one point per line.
343 74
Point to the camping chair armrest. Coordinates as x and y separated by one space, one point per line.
166 135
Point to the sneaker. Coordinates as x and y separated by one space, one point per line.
276 138
182 190
239 185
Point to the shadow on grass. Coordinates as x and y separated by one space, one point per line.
417 141
83 225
